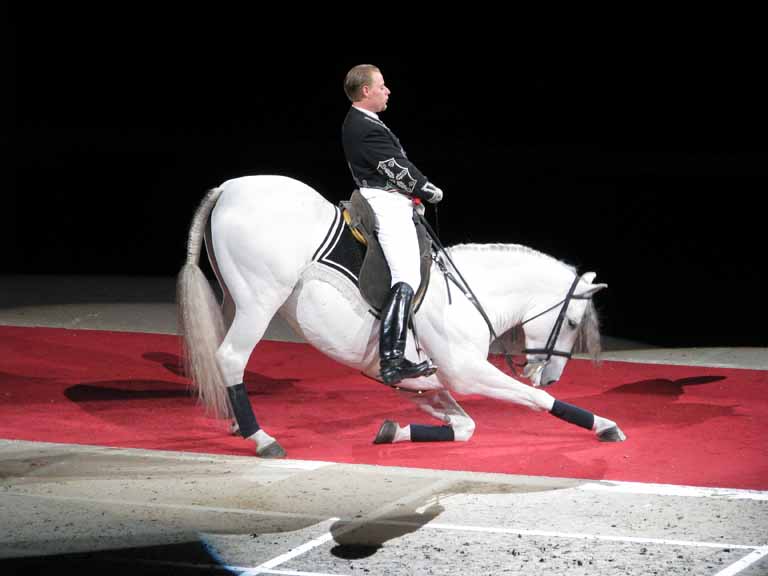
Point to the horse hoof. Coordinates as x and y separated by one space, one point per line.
612 434
386 433
273 450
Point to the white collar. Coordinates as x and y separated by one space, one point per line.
367 112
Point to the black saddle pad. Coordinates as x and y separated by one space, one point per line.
363 265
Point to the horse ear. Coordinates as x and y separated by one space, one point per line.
593 289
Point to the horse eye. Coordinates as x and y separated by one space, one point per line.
571 324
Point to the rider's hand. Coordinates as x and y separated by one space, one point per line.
432 193
418 205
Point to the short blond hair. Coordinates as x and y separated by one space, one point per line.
359 76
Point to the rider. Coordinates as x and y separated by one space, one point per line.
389 182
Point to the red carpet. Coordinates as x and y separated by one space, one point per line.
686 425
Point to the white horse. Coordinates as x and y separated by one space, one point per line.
265 235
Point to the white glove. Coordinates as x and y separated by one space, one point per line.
435 194
420 208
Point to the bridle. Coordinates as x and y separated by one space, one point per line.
549 347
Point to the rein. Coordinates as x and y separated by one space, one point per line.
466 290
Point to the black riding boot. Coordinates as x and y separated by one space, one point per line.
393 335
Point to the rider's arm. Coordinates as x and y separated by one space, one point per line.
390 160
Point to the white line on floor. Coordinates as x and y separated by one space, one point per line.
291 554
579 536
674 490
745 562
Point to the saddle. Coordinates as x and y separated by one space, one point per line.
375 277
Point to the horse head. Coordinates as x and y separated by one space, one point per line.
554 330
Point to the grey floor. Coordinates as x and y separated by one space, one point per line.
92 509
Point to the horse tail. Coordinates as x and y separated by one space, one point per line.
201 323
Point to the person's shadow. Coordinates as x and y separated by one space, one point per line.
360 538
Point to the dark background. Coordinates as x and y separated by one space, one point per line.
636 160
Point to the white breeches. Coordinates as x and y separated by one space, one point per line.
397 234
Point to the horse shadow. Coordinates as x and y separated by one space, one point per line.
663 386
255 383
116 401
124 390
657 401
156 389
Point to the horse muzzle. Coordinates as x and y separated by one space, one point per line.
533 371
552 371
543 373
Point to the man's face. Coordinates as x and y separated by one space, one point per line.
377 93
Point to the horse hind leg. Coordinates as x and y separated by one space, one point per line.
227 304
245 332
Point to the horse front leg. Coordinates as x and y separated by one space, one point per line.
457 425
476 376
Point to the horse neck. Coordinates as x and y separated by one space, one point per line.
511 281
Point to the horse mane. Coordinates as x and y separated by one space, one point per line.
508 248
588 337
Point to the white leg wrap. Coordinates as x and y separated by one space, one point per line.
463 427
602 424
402 434
261 438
